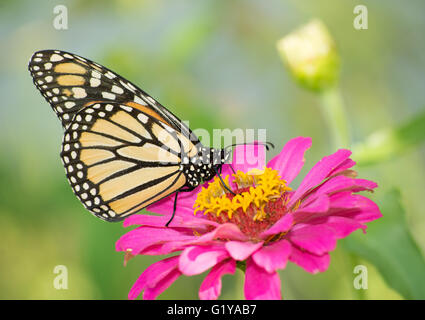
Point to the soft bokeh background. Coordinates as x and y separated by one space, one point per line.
215 64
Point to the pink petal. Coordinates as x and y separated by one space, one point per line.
347 164
260 284
197 259
168 247
151 293
363 185
153 275
343 183
274 256
228 231
143 237
290 160
315 204
319 172
282 225
211 286
185 201
343 199
162 249
341 226
317 239
308 261
319 206
248 157
152 221
365 210
242 250
347 200
160 221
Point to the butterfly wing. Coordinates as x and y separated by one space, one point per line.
70 82
119 159
122 150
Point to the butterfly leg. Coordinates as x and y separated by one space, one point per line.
174 210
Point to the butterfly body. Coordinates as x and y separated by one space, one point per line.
121 149
204 166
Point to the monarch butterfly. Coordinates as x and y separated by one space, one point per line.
121 149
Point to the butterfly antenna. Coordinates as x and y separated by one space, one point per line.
268 145
223 184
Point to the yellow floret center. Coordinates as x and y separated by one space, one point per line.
255 189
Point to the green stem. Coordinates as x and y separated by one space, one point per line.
335 117
241 265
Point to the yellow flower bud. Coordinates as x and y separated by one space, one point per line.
311 56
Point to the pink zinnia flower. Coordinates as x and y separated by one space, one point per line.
262 227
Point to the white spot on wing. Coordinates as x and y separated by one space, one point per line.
151 100
69 104
96 74
79 93
131 86
139 101
117 89
111 213
142 118
94 82
55 57
127 108
110 75
108 95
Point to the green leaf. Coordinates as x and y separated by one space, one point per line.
390 246
390 142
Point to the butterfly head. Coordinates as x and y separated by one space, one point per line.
220 156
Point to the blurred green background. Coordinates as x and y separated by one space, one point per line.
215 64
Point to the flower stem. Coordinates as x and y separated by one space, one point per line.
241 265
334 113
